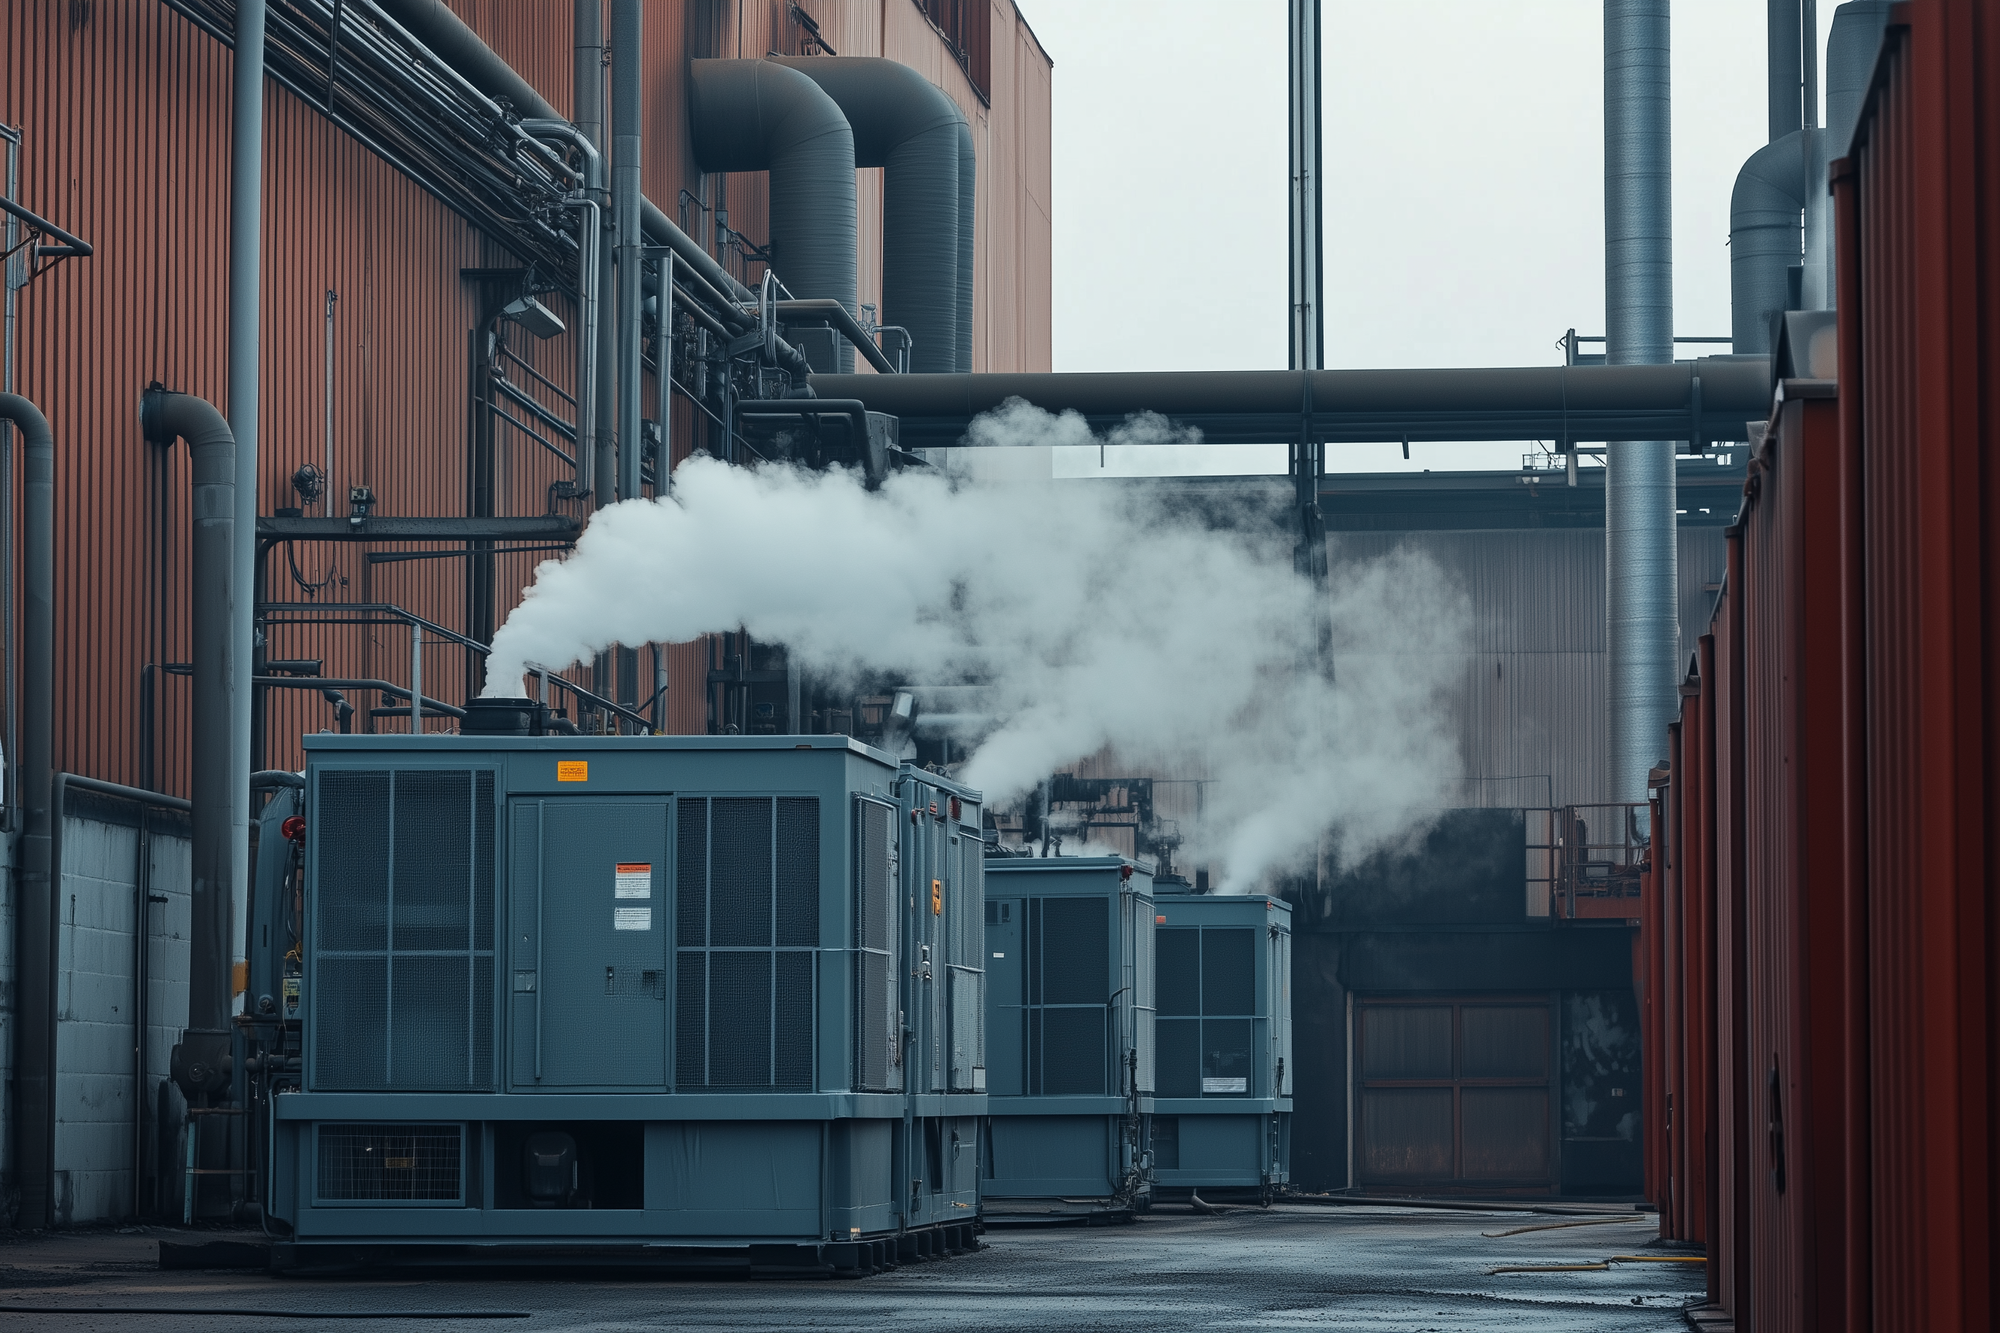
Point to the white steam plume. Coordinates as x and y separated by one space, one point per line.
1097 617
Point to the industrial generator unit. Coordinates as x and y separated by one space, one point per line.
702 1000
1069 943
1222 1105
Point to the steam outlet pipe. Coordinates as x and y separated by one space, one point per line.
1643 623
589 205
246 229
909 126
760 115
201 1059
627 117
1766 238
35 938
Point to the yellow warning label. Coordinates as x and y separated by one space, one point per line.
572 770
937 897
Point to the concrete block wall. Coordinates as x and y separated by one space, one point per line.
95 1102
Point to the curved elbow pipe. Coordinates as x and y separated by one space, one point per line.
908 125
166 417
1766 233
35 937
757 115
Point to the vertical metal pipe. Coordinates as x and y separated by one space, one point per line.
1307 321
416 679
35 913
1642 619
588 113
627 117
201 1059
663 466
326 477
1784 54
246 199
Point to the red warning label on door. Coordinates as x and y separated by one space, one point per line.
632 879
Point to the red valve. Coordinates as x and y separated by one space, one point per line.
294 829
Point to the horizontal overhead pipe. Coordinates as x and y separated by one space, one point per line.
166 417
759 115
909 126
35 917
1555 403
842 323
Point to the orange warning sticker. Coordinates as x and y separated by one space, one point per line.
937 897
572 770
632 880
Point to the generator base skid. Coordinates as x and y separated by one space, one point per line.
855 1258
677 1002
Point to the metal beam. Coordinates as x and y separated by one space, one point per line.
539 527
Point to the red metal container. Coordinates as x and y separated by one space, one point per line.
1837 767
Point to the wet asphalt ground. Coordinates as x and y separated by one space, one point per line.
1366 1269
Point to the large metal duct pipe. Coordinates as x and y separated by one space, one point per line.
35 914
1765 238
1784 54
246 248
1642 620
760 115
445 35
627 117
201 1060
968 214
1851 48
909 126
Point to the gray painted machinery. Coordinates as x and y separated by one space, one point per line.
1070 1021
706 1000
1222 1104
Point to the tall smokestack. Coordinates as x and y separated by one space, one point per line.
1642 622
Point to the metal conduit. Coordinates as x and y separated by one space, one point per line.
907 125
1642 619
165 417
35 916
627 117
246 234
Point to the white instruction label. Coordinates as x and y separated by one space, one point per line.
632 881
641 918
1225 1085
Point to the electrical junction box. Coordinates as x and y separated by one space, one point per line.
1222 1107
691 994
1069 1023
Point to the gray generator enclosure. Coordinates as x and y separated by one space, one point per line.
1222 1106
675 995
1069 943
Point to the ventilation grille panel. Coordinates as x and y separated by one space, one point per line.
390 1164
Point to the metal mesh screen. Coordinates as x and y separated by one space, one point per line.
411 1163
968 1030
1073 1046
877 1022
1177 982
402 993
1229 970
747 886
1076 951
1177 1052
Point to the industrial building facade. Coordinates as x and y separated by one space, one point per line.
392 386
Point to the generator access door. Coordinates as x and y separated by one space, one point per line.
589 925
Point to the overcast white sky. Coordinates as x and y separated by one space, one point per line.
1464 198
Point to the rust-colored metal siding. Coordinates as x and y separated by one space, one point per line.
1852 688
125 113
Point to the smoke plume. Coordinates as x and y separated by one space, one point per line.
1098 615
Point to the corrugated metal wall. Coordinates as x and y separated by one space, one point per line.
124 108
1530 712
1854 688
